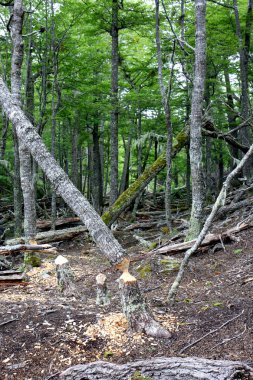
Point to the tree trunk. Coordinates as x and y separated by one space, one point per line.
97 178
161 369
196 121
100 233
24 155
115 106
166 106
125 172
244 47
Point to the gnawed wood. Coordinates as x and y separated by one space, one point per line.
210 239
161 369
51 236
103 297
65 276
136 309
9 249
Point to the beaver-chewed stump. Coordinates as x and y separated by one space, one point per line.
161 369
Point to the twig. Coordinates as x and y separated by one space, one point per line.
233 337
223 246
9 321
53 375
209 333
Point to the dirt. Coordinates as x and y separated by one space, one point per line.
46 333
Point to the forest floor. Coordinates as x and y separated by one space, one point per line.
47 333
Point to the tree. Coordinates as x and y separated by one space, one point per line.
196 121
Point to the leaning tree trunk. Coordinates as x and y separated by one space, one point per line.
161 369
24 154
100 233
196 121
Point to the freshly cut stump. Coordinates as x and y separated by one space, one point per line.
103 297
136 310
161 369
65 276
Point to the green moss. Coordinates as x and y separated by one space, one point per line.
108 354
138 376
170 265
144 270
32 259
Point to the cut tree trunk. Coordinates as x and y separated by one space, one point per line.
161 369
65 277
102 291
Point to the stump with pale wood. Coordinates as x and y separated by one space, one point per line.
103 297
65 276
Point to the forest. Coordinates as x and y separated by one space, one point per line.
126 189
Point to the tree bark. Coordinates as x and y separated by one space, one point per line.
196 121
114 101
161 369
24 155
166 106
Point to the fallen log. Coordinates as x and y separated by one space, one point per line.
9 249
161 369
45 224
210 239
51 236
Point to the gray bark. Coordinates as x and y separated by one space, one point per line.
24 155
114 101
166 106
125 172
97 178
161 369
244 63
196 120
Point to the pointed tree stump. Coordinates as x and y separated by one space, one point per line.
65 276
135 308
103 297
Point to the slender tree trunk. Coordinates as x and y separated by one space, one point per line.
166 106
74 166
5 128
244 47
97 179
134 306
196 121
125 172
115 106
24 154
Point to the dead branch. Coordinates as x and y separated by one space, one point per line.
9 249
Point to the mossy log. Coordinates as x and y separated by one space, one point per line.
126 198
161 369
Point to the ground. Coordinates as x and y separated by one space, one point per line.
47 332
